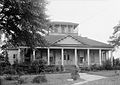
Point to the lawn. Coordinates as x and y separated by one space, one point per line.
53 79
105 73
111 80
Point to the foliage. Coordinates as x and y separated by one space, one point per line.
8 77
75 74
9 70
115 38
21 80
107 65
22 21
3 65
39 79
0 81
53 68
38 65
116 62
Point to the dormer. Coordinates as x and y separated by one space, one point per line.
62 27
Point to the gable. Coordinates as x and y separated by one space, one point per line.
68 40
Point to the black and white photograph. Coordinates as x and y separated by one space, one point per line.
59 42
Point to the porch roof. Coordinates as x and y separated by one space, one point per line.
84 42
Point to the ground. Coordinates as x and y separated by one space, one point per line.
90 78
53 79
112 78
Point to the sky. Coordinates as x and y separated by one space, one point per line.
96 18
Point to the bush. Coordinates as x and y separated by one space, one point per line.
9 70
21 80
38 66
107 65
8 77
116 68
75 74
53 68
39 79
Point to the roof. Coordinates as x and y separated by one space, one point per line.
86 42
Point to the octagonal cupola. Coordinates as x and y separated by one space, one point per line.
62 28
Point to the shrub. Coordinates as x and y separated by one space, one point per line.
116 67
21 80
39 79
53 68
107 65
8 77
0 81
9 70
38 66
75 74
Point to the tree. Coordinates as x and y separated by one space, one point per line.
115 38
22 21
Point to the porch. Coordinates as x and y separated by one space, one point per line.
70 56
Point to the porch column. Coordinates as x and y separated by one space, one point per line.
88 55
76 57
19 57
100 57
33 54
62 53
48 52
110 56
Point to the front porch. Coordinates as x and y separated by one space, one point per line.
69 56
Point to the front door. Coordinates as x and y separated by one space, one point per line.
67 59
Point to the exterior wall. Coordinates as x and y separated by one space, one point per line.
59 29
94 57
58 60
11 53
41 53
82 54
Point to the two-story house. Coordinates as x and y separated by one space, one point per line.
65 48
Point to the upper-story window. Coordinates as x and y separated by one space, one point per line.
63 28
56 28
69 28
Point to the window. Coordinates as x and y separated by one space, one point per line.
56 28
68 57
63 28
69 28
65 57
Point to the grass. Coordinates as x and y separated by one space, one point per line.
53 79
111 80
109 73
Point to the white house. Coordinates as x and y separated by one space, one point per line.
65 48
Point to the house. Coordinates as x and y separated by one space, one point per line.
65 48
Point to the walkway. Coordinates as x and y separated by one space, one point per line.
88 77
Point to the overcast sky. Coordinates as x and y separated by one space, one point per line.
96 18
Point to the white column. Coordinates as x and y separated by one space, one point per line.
100 57
19 57
88 55
33 54
76 57
111 56
62 53
48 52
